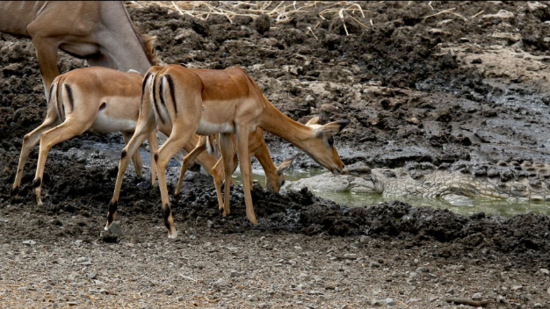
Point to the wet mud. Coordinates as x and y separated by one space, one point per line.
417 86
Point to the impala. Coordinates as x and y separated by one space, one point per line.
274 175
102 99
97 98
274 179
107 100
101 32
224 102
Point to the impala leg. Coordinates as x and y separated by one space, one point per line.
188 161
70 128
172 145
29 141
218 174
246 171
217 171
227 156
153 147
136 157
143 130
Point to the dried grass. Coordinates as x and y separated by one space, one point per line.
278 11
283 11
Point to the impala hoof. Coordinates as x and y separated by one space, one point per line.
38 201
14 191
173 235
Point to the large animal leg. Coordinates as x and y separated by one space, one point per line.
136 157
246 171
29 141
46 53
70 128
173 144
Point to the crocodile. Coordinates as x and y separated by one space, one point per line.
513 181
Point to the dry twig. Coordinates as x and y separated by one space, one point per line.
309 28
341 14
449 11
477 14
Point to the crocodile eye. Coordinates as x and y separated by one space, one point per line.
330 141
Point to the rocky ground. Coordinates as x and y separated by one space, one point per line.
454 83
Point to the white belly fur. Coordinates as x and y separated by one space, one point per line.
209 128
105 124
117 115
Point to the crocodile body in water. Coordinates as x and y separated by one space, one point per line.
508 181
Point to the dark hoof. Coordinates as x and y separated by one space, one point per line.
14 196
113 234
14 191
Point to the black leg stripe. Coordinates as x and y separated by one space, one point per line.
161 94
172 94
70 94
155 103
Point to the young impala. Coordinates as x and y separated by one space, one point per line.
274 179
102 99
101 32
224 102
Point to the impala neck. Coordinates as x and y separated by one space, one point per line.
267 164
276 122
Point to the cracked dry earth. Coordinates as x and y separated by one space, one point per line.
437 82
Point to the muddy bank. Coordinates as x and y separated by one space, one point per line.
419 84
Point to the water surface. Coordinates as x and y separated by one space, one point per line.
488 206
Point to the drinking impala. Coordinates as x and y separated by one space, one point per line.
224 102
274 179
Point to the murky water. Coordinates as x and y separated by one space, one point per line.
488 206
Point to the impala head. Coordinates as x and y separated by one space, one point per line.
322 148
275 184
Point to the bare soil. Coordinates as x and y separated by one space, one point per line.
450 84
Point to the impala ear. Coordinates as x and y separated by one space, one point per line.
313 120
284 166
332 127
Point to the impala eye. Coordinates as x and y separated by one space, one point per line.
283 183
330 141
